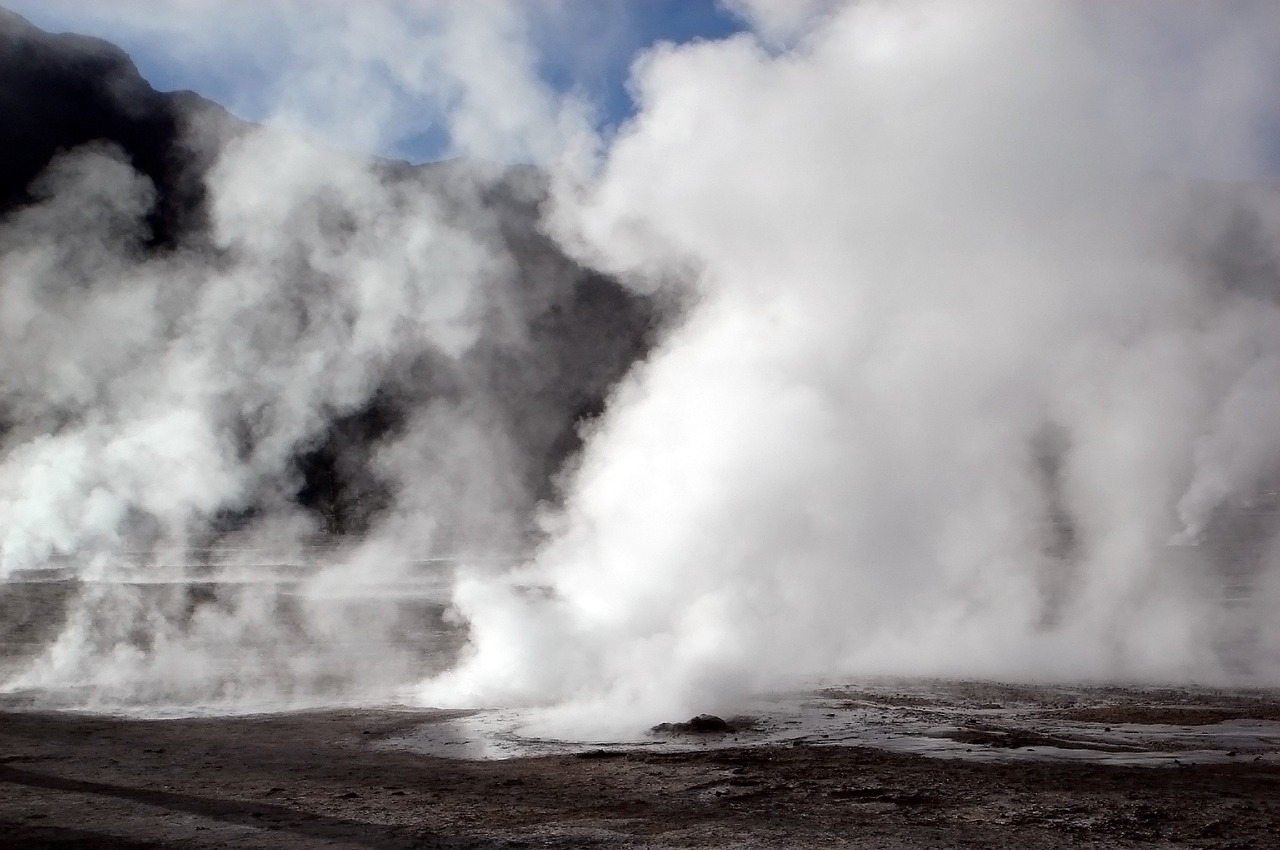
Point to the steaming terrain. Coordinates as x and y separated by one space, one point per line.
894 391
217 449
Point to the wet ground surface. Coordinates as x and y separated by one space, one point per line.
873 764
974 721
342 779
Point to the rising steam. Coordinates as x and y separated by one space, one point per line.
975 373
977 341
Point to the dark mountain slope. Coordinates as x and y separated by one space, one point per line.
552 340
58 92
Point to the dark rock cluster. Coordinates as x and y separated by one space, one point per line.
703 724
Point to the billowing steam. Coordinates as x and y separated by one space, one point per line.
236 419
976 372
980 380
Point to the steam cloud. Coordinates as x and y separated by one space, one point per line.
976 371
239 423
970 351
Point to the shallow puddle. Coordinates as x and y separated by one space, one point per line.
963 720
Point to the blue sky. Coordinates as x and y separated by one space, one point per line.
236 53
592 55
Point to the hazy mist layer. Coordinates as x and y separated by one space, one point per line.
975 372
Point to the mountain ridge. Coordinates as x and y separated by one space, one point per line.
569 336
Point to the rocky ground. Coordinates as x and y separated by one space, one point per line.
339 780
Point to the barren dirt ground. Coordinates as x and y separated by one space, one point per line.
331 780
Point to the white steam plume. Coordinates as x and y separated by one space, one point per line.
368 76
155 403
972 337
965 357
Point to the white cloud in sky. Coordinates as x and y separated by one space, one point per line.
781 22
